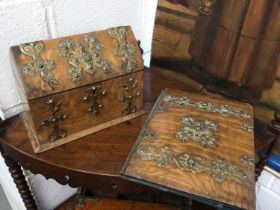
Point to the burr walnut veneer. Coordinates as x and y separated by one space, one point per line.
192 144
79 84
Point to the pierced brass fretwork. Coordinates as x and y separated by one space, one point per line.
54 119
160 108
200 131
206 6
123 49
129 94
149 135
218 168
84 57
248 161
248 128
224 110
94 98
38 65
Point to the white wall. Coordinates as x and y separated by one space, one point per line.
9 187
268 190
30 20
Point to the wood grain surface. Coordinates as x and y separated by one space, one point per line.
232 143
35 87
79 121
239 42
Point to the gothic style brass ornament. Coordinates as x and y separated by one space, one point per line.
248 161
53 120
38 65
149 135
160 108
94 97
218 168
130 92
84 57
247 128
206 6
224 110
123 49
200 131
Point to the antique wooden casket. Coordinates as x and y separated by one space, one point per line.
197 147
79 84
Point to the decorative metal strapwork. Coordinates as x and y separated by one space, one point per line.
54 119
149 135
248 161
94 98
123 49
38 65
247 128
224 110
200 131
84 57
160 108
130 92
218 168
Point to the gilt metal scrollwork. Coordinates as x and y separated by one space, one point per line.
219 169
130 93
224 110
54 119
160 108
84 57
206 6
247 128
123 49
200 131
94 97
39 65
248 161
149 135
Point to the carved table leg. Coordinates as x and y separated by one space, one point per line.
19 180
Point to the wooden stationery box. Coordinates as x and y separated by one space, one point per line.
79 84
197 147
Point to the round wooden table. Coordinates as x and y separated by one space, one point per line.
93 161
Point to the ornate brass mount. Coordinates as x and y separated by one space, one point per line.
224 110
149 135
160 108
130 92
84 57
248 161
245 127
38 65
200 131
53 120
206 6
123 49
218 168
94 97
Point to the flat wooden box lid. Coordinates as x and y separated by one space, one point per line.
51 66
198 147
